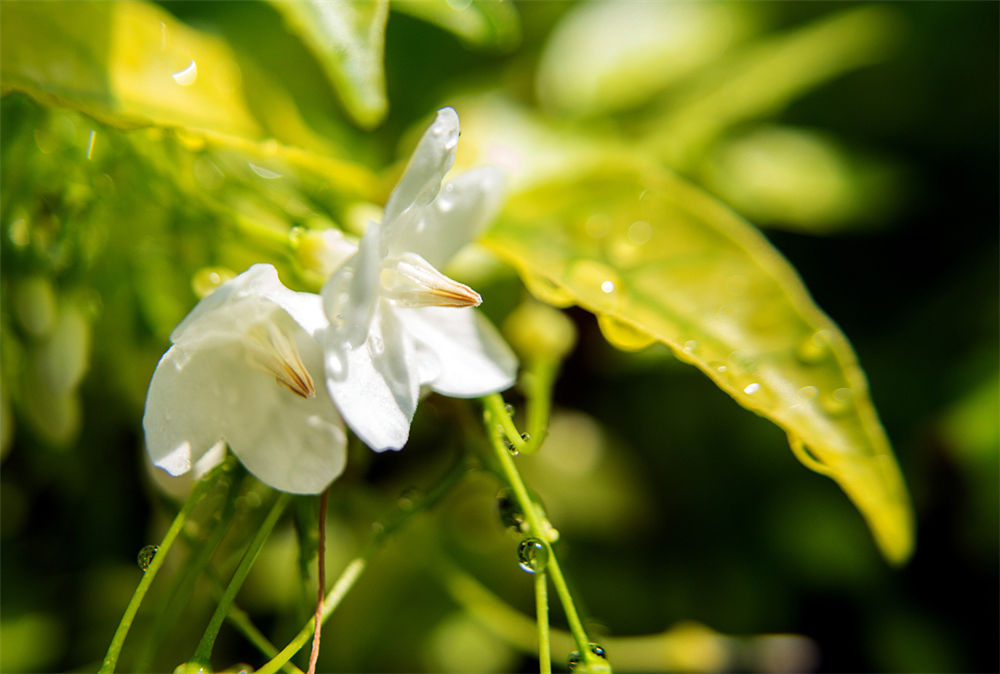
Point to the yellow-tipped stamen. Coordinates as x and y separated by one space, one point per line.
413 282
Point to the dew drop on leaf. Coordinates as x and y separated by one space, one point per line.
532 555
575 659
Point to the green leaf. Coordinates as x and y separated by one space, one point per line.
493 24
658 260
587 68
766 76
348 38
133 64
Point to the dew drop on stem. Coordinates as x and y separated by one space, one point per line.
532 555
145 556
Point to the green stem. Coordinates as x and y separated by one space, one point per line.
197 494
539 394
356 567
340 589
542 615
203 653
183 584
495 410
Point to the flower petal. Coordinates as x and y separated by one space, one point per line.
472 357
421 181
461 211
180 406
243 301
351 293
372 384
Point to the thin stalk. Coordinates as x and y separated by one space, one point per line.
321 582
542 618
197 494
183 583
203 653
539 395
495 409
349 576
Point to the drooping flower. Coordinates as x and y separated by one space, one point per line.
396 322
243 369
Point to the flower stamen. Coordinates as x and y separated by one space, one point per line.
413 282
274 353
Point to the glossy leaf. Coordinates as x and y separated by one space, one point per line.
348 39
480 23
132 64
658 260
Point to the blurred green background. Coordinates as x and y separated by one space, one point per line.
878 180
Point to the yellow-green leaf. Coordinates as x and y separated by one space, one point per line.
656 259
132 64
480 23
348 38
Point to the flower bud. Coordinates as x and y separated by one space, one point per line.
537 331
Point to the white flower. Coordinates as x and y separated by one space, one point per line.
396 322
242 370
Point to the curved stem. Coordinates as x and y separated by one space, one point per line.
197 494
203 653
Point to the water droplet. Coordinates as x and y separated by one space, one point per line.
721 368
808 392
408 499
640 232
751 388
547 290
741 360
532 555
575 659
19 232
509 511
690 346
206 280
815 348
839 402
266 174
186 76
597 283
598 225
509 409
623 335
146 555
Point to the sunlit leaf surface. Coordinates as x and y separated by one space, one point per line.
347 36
133 64
656 259
481 23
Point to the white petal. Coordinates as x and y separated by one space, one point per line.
463 208
421 181
372 384
178 419
210 393
351 293
248 299
472 357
